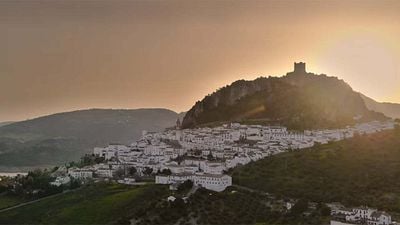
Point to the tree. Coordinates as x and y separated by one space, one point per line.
132 171
120 173
147 171
74 183
98 160
197 152
300 207
324 209
165 172
178 203
210 156
185 186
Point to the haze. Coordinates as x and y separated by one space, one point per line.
65 55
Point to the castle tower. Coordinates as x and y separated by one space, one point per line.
300 67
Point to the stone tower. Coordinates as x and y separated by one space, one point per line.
300 67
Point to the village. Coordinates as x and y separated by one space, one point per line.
204 155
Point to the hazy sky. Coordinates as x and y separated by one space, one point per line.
64 55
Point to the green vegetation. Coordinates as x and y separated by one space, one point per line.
87 160
360 171
10 200
185 186
35 185
228 207
99 203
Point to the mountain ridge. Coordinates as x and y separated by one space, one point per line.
5 123
62 137
388 108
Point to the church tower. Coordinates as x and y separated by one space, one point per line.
300 67
178 124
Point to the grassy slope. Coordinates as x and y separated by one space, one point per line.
8 201
359 171
96 204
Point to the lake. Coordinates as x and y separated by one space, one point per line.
11 174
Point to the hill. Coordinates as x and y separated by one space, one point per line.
59 138
5 123
360 171
95 204
299 100
103 203
233 206
389 109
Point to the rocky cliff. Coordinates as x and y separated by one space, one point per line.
298 100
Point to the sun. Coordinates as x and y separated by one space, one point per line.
367 62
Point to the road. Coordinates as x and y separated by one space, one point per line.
249 189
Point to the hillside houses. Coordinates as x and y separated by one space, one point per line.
212 151
362 215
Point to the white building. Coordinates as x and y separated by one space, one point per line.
104 172
128 181
214 167
209 181
213 182
363 215
60 181
80 173
380 218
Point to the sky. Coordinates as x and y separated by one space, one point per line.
62 55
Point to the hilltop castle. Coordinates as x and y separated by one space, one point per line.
300 67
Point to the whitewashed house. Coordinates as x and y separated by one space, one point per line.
60 181
80 173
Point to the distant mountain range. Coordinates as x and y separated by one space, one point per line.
5 123
63 137
298 100
389 109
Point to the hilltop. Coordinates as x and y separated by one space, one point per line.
63 137
298 100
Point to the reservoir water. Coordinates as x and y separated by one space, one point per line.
11 174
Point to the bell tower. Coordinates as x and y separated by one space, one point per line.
178 124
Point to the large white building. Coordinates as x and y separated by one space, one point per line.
80 173
214 182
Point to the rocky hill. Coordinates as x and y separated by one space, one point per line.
59 138
298 100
